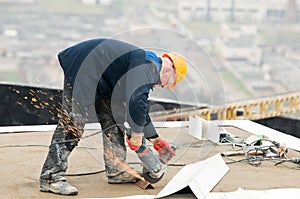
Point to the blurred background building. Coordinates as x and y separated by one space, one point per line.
252 46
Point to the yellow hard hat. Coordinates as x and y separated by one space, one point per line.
179 65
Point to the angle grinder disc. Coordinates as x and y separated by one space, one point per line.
147 176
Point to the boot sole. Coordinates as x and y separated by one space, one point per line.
48 189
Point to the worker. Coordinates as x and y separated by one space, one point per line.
113 78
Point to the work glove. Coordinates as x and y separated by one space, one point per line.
165 151
135 141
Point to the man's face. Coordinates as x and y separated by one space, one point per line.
167 73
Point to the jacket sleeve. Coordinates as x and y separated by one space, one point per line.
149 130
139 82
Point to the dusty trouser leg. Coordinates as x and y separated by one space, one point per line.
64 140
114 151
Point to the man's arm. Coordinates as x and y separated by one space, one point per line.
165 151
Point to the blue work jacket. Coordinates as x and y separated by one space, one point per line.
115 70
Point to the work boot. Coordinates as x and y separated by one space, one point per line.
59 187
123 177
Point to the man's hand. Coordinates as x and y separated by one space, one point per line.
165 151
135 141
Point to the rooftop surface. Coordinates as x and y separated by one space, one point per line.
22 156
